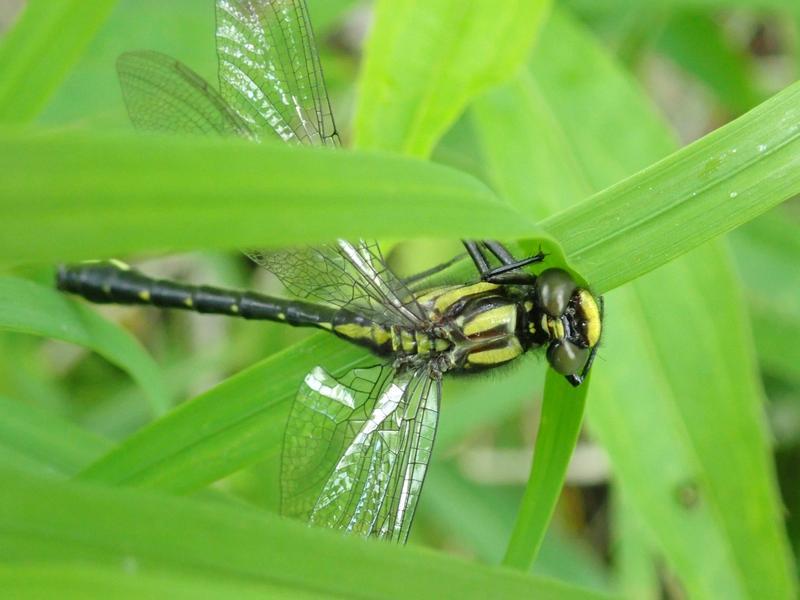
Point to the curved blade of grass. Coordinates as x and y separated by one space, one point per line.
234 424
97 199
105 195
694 195
67 581
562 415
52 443
30 308
424 61
106 526
674 377
37 54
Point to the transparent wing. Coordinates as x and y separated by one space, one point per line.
270 72
357 449
164 95
345 275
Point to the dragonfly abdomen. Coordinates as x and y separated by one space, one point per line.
115 282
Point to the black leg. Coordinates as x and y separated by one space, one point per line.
509 270
476 254
432 271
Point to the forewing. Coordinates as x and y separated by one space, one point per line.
382 448
164 95
345 275
269 70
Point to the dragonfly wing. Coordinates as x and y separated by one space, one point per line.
347 275
269 70
368 441
164 95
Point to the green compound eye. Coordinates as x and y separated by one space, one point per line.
567 358
554 288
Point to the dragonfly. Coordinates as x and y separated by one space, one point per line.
358 445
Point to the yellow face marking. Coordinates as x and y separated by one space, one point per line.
440 345
556 328
532 327
502 316
447 299
144 295
497 356
592 313
528 306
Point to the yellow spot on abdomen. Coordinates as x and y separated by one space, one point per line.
380 335
407 342
353 331
144 295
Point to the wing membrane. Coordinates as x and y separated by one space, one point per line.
352 276
164 95
269 70
357 449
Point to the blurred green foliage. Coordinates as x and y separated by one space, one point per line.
673 488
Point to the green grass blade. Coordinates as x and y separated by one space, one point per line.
52 443
425 61
37 54
234 424
562 414
108 195
67 581
694 195
241 421
674 376
107 526
30 308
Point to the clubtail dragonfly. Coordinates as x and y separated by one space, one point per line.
357 447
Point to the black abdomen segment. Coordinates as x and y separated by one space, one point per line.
113 282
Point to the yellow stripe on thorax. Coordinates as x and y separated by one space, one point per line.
501 316
496 356
453 295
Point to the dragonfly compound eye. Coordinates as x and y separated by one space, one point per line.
567 358
554 288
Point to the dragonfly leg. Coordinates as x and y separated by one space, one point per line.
432 271
509 270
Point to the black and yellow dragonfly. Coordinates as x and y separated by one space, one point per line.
357 447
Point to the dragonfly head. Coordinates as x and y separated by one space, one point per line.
570 318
